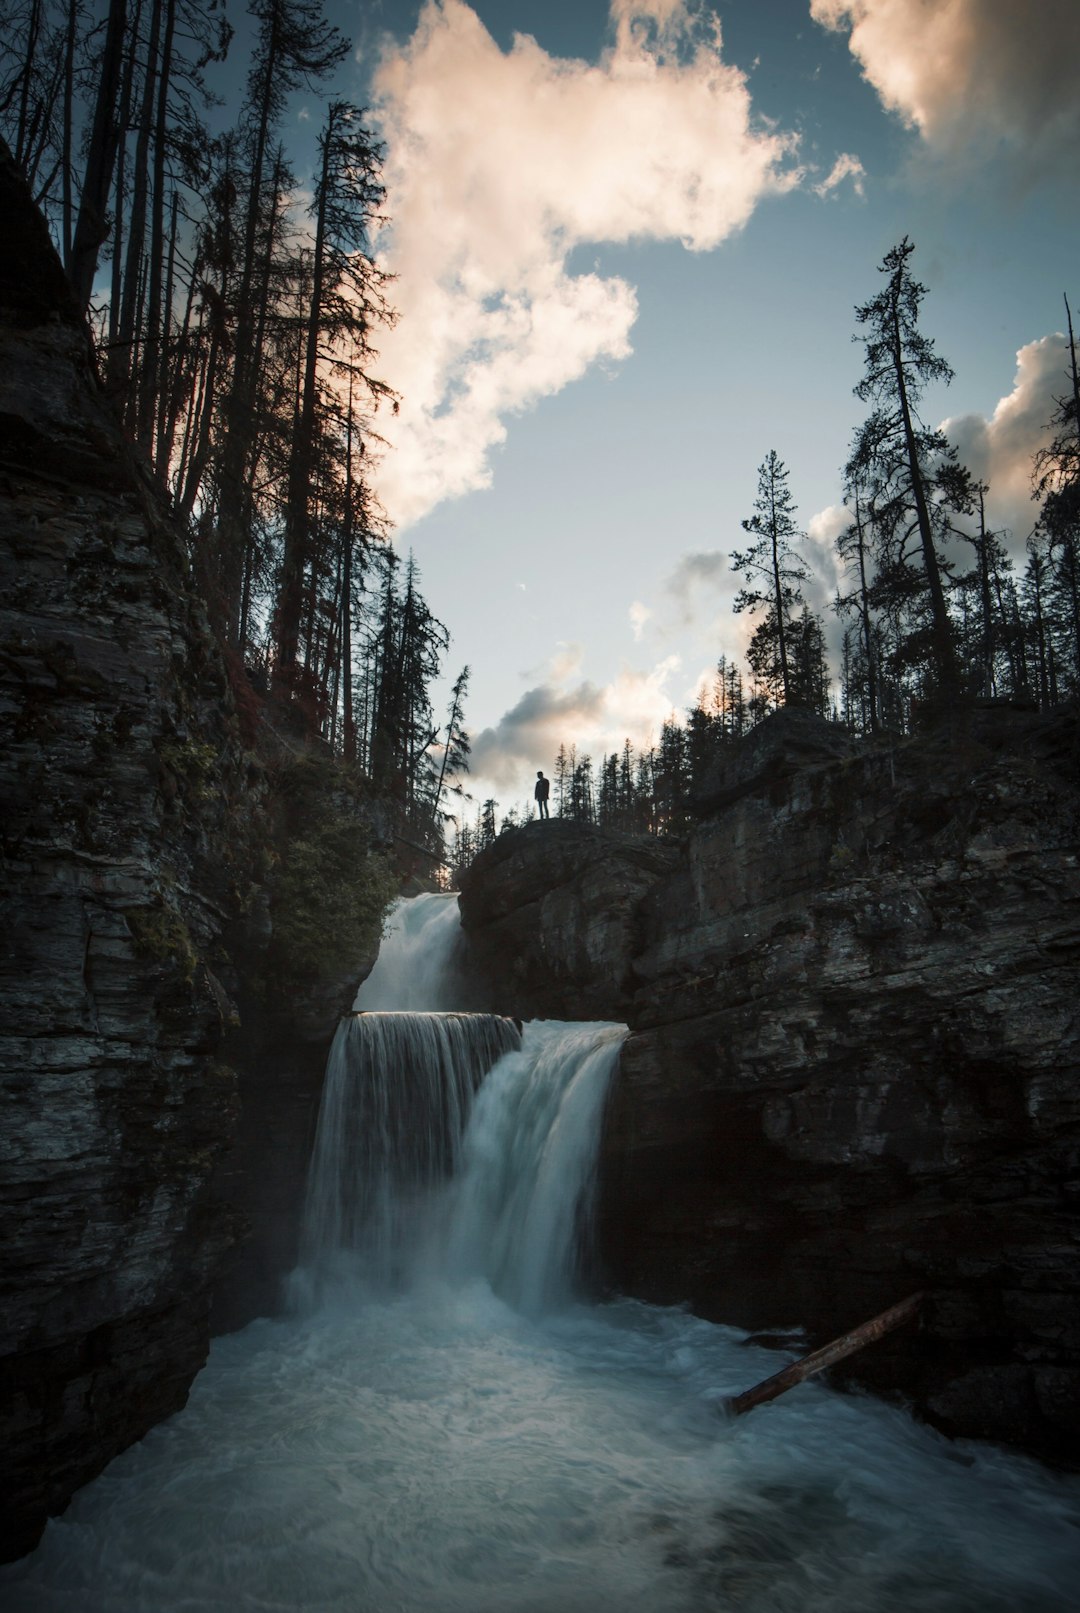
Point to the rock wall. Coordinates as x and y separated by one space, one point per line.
853 1067
136 911
552 918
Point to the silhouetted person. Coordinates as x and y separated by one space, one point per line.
541 791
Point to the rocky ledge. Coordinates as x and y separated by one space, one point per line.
853 1065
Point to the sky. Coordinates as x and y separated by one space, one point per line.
628 239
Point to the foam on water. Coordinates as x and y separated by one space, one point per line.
452 1432
436 1452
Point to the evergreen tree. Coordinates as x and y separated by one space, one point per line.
1056 484
853 547
455 750
774 572
908 473
345 300
809 663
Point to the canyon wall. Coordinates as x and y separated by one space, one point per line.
853 1065
143 847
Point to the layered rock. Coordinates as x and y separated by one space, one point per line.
136 912
853 1067
551 914
112 706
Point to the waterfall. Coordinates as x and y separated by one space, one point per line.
395 1100
415 967
521 1214
449 1141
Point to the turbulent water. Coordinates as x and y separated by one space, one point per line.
448 1430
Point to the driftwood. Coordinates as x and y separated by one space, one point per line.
818 1360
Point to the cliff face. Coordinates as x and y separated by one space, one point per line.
135 909
853 1067
114 729
553 920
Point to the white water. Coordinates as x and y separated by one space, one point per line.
457 1435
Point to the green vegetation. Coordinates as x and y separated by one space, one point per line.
161 933
193 763
331 890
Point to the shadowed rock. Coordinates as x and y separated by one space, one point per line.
853 1068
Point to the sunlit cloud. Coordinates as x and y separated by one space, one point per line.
971 72
999 448
846 166
639 615
500 163
595 719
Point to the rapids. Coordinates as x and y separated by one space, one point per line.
443 1424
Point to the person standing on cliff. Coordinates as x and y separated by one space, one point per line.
541 792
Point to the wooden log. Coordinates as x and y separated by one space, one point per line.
818 1360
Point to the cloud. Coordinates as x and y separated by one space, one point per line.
846 166
594 718
639 615
971 72
705 572
500 163
819 549
529 734
999 448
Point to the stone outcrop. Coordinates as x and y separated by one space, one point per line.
551 914
853 1067
137 830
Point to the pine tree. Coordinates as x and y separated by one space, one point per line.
774 572
1056 484
345 300
902 467
455 749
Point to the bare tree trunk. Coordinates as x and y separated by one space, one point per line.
90 226
67 113
827 1356
134 280
947 670
165 385
153 369
300 464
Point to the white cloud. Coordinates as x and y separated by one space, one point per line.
596 719
639 615
498 165
822 531
846 166
999 448
971 72
825 527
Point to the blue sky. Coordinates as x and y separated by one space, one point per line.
629 241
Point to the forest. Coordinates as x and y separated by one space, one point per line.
237 337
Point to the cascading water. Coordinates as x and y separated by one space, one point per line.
396 1098
409 1174
444 1430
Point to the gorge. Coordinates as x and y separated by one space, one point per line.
445 1421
